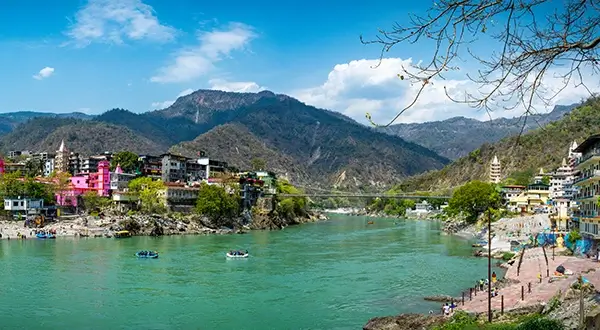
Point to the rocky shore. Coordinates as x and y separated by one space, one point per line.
149 225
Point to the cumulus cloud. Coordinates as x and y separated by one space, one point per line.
113 21
357 88
235 86
44 73
213 46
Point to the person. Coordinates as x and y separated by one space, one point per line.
446 310
481 285
494 279
452 306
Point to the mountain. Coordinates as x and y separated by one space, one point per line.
456 137
218 143
317 145
84 136
519 156
332 147
10 120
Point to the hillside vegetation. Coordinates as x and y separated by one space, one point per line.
540 148
217 143
86 137
456 137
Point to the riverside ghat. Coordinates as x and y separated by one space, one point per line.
533 278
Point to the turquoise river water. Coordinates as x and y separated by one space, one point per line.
335 274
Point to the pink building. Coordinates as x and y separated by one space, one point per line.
98 182
1 166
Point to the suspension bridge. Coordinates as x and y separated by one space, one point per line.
355 195
336 193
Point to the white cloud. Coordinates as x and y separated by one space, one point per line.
193 62
112 21
162 105
357 88
235 86
44 73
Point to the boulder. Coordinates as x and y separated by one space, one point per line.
404 322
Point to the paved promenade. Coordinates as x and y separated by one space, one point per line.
533 264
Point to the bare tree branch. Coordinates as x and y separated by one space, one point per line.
535 38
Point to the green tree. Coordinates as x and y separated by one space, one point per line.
10 185
61 180
149 193
472 199
291 206
546 179
127 160
34 167
522 178
258 164
93 202
216 203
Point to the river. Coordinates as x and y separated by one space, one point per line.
329 275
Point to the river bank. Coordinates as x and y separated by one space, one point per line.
521 290
147 225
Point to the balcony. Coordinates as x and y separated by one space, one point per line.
583 159
585 195
584 177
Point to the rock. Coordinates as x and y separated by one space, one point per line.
440 298
404 322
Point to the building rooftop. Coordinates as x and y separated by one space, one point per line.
516 186
587 143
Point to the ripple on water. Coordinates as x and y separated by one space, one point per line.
331 275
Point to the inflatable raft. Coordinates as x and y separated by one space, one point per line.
237 256
147 255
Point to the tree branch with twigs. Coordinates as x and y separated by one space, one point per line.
535 37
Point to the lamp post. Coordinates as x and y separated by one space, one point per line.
489 265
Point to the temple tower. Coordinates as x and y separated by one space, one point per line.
495 171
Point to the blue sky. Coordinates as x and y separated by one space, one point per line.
92 56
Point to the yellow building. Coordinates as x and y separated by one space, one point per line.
588 182
533 199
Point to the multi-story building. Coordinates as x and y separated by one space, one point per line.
533 199
174 168
98 182
588 183
508 192
61 160
495 171
90 164
150 166
179 196
17 153
119 181
49 166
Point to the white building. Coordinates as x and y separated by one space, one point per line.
22 204
495 171
561 182
48 166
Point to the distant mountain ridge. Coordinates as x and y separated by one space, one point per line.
456 137
317 146
539 148
10 120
